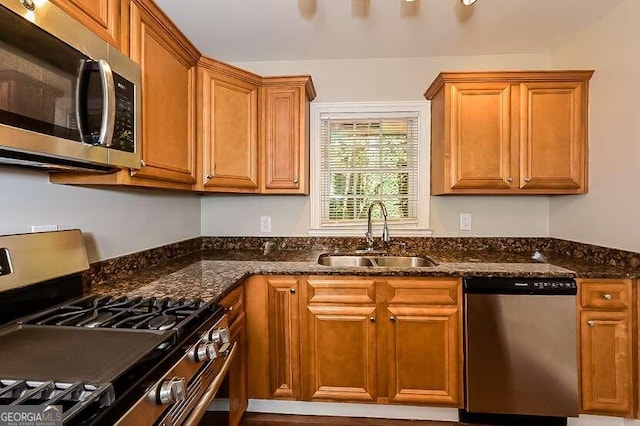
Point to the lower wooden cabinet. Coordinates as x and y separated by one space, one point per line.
424 355
340 353
273 337
358 339
238 402
606 350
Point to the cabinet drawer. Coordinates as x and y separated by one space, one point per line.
341 290
233 304
431 291
601 294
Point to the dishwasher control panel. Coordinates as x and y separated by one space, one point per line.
514 285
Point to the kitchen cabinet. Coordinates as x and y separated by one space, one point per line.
519 132
285 134
389 340
100 16
339 339
234 308
228 128
273 334
605 333
424 323
167 135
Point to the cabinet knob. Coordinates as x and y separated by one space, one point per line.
372 318
591 323
607 296
230 308
142 163
295 180
392 318
509 179
209 177
292 291
527 179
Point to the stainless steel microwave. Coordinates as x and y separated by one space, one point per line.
68 99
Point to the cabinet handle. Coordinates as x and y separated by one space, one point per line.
607 296
509 179
295 180
292 291
527 179
209 177
591 323
372 319
392 318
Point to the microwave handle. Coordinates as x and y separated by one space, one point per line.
109 103
80 82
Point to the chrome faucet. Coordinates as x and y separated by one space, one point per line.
385 230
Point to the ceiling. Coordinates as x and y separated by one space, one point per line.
259 30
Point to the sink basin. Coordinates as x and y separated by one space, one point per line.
376 261
403 261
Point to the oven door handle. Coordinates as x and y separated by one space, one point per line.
202 405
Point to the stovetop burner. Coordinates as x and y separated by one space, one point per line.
123 312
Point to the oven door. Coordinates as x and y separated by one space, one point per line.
205 400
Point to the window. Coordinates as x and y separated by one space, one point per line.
363 152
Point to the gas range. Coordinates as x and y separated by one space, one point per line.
103 360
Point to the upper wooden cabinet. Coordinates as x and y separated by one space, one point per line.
167 134
509 132
227 128
100 16
285 134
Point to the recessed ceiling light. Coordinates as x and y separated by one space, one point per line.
468 2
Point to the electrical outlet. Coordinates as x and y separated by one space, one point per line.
465 221
265 223
43 228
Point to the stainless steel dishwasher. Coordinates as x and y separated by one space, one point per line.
520 343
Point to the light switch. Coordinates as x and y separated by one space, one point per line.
465 221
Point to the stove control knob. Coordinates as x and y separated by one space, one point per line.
220 335
171 390
203 352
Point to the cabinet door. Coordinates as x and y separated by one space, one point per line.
284 338
100 16
168 101
424 355
238 401
340 348
606 362
229 136
553 136
284 144
479 137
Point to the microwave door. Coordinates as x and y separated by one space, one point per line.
95 102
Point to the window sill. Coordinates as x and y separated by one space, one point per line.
359 232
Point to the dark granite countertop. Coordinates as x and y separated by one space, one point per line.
210 275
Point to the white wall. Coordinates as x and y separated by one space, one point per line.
397 79
114 222
608 214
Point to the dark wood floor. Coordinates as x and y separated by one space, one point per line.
255 419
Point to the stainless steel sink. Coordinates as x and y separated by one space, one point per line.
376 261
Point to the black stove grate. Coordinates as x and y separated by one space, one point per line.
72 397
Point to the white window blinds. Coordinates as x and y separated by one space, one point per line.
363 160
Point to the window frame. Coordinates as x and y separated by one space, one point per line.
370 110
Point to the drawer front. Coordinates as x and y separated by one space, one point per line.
233 304
431 291
341 290
602 294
